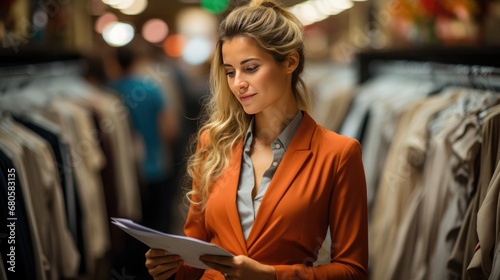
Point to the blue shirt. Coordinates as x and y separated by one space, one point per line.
144 101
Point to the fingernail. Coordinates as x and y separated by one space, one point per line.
165 252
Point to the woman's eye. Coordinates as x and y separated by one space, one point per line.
252 68
230 73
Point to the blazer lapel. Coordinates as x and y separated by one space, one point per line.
295 157
233 175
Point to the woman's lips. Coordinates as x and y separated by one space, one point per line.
246 97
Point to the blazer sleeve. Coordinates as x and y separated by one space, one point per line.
348 224
194 227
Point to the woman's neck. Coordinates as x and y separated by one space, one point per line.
269 124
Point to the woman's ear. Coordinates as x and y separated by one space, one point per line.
292 62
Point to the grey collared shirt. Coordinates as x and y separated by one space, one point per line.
248 207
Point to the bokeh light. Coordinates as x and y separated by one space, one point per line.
118 34
40 19
123 4
154 30
215 6
193 22
174 45
309 12
112 2
103 21
137 7
197 50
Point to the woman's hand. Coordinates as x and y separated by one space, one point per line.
160 265
239 267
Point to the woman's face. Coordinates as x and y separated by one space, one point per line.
254 77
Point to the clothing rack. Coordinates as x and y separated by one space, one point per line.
20 65
471 66
46 69
476 76
18 76
35 55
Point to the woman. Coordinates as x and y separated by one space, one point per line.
267 180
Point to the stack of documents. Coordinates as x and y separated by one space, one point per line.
190 249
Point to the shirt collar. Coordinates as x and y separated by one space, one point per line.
285 136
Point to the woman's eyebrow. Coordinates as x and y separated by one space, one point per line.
248 60
242 62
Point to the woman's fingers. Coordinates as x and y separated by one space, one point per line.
160 265
152 262
152 253
223 260
222 264
216 266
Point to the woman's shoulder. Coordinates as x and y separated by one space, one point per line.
328 140
323 134
203 138
330 135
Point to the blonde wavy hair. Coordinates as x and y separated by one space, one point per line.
279 33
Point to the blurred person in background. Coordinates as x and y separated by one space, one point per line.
155 130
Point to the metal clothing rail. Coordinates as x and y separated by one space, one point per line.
46 69
459 61
17 76
477 76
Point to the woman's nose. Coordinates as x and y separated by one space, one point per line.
241 84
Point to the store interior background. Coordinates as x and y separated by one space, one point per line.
44 38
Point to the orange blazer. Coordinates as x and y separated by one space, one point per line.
320 182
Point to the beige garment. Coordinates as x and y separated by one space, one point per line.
17 155
467 239
379 88
381 128
463 250
445 200
413 257
465 145
88 159
488 223
57 243
495 272
3 274
398 184
412 239
330 111
488 218
66 168
36 190
115 122
332 88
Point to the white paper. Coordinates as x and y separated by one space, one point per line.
190 249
